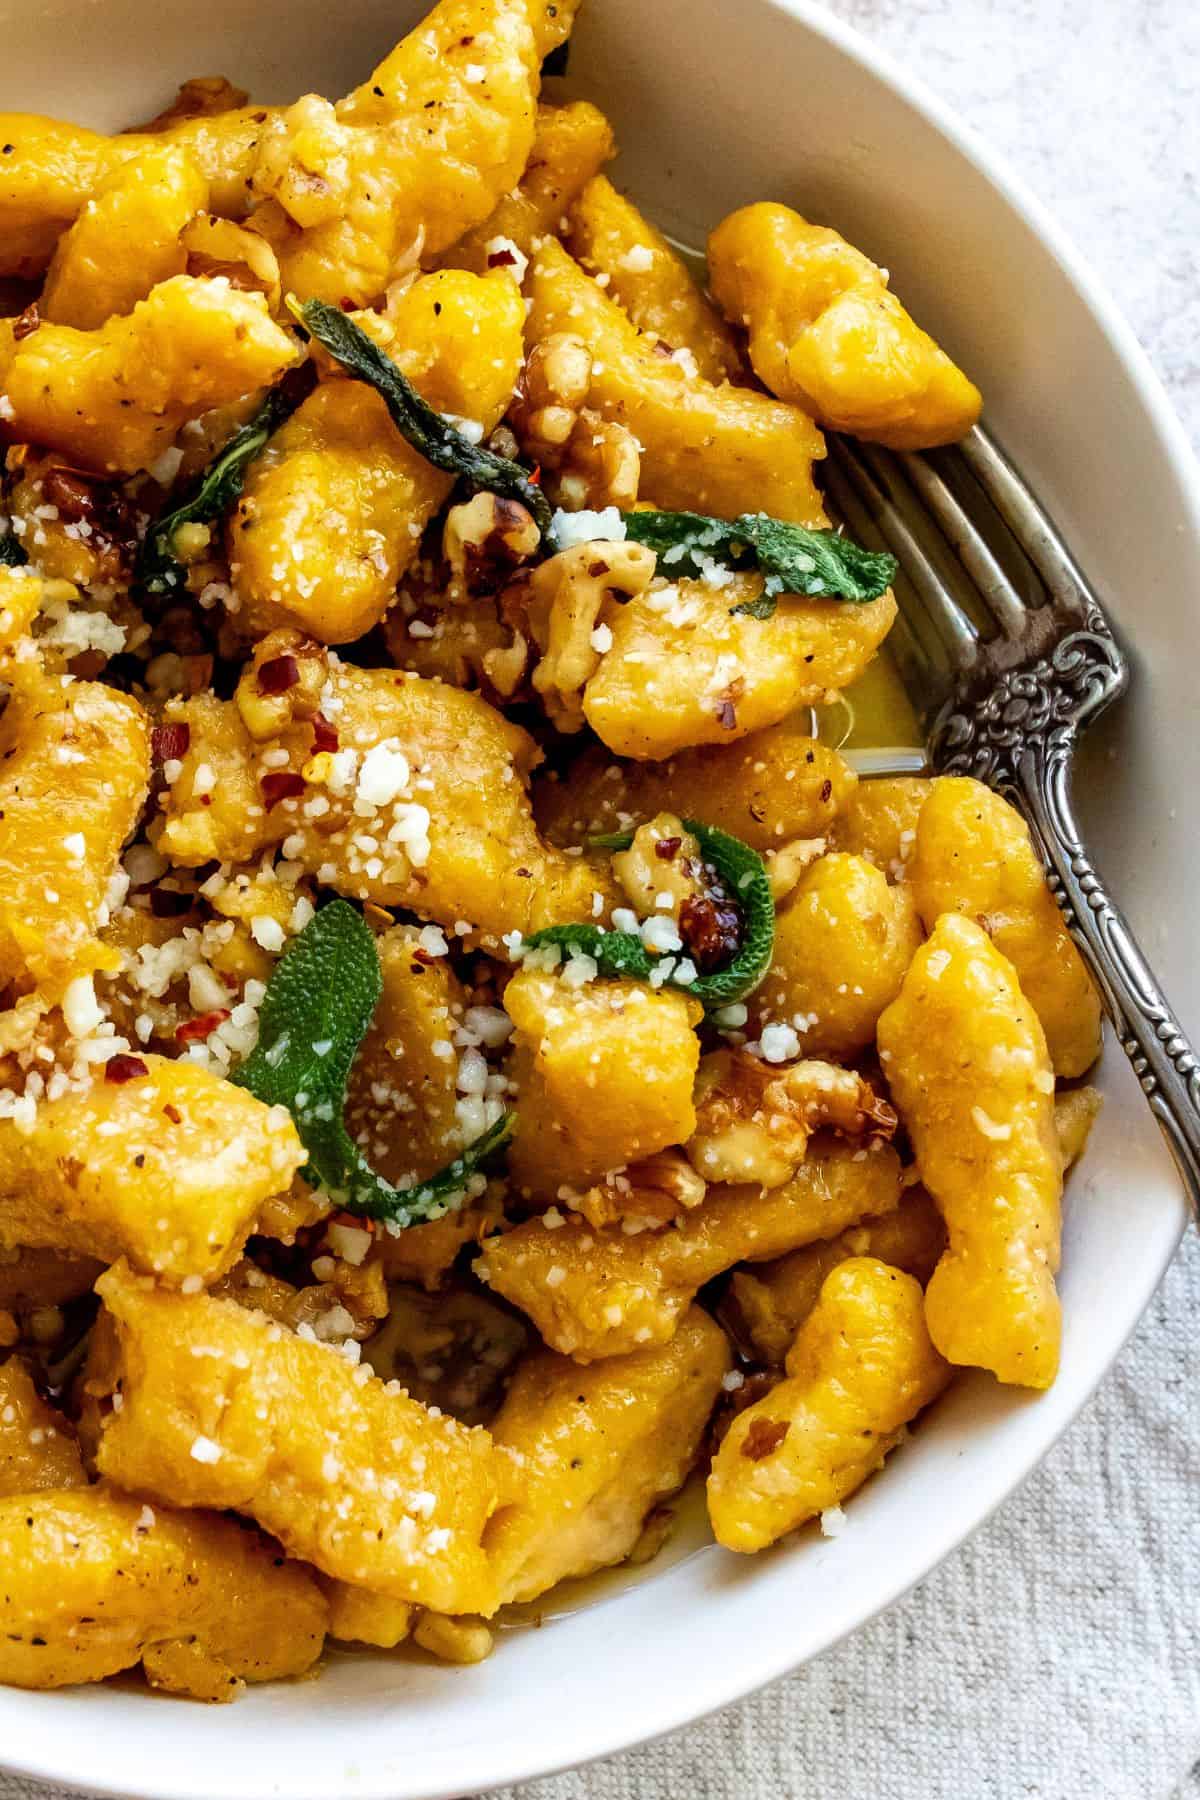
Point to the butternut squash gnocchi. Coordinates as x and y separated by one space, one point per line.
475 1055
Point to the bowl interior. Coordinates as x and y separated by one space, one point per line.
717 102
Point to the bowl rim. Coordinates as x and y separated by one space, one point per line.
602 1734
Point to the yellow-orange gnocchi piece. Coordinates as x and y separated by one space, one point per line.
826 332
720 450
861 1367
223 1407
126 239
968 1068
115 397
95 1582
415 156
973 855
650 280
684 669
600 1447
339 458
595 1293
167 1166
603 1075
843 941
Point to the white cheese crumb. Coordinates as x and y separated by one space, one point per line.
833 1522
778 1043
638 260
205 1451
585 527
267 932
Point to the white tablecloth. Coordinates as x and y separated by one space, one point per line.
1055 1657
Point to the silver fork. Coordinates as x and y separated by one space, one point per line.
1007 654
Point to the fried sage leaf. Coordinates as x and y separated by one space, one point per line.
159 570
11 554
791 558
416 421
622 953
314 1015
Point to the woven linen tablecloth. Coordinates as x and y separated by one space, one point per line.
1055 1655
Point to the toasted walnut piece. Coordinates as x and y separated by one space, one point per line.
786 865
282 684
662 863
484 540
568 595
554 386
753 1120
600 466
223 247
648 1193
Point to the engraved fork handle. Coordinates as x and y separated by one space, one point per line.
1148 1031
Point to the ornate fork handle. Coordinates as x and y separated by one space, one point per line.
1148 1031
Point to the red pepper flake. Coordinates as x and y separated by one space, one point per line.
666 849
423 956
169 743
764 1437
173 1113
501 259
325 736
536 475
281 784
26 323
124 1068
168 903
276 676
194 1031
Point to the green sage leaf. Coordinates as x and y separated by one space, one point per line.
416 421
315 1013
791 558
159 570
622 953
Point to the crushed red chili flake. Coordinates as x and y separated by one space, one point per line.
423 956
325 737
666 848
597 568
764 1437
169 743
710 926
26 323
501 259
281 784
276 676
194 1031
173 1113
124 1068
169 903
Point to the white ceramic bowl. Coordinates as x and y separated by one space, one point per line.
718 102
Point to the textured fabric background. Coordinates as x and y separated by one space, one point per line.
1056 1655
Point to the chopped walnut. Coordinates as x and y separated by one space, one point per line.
754 1119
282 683
647 1194
587 461
568 598
662 869
786 865
601 465
484 540
223 247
